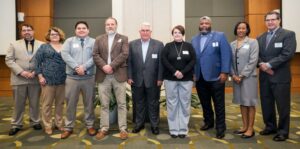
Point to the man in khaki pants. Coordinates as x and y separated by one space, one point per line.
19 59
110 54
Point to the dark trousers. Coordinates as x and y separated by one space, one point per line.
146 101
214 90
278 94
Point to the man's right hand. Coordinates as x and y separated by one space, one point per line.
25 74
107 69
130 81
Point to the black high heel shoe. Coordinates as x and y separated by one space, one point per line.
246 136
239 132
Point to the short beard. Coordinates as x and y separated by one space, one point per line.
205 32
110 32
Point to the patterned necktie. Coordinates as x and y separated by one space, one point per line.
29 48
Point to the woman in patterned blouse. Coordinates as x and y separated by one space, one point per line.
51 71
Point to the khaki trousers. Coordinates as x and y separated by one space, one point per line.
50 94
109 85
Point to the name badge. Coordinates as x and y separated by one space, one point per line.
185 52
215 44
154 55
75 45
246 46
278 45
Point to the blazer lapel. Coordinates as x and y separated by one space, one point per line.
105 44
149 51
138 47
209 38
116 39
272 41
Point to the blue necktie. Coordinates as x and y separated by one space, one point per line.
269 37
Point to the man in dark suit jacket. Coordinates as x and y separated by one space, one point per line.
110 55
277 47
212 67
145 78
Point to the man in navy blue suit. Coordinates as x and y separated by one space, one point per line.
211 71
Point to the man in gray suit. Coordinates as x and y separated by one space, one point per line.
19 59
277 47
145 78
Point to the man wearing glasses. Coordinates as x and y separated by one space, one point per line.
276 48
25 84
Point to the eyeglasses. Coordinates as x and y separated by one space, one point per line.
270 20
146 30
26 30
54 34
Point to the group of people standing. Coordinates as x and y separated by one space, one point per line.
64 69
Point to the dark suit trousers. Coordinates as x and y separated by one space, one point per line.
146 99
214 90
278 94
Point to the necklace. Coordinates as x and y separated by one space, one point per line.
178 53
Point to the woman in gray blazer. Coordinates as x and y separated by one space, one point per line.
243 71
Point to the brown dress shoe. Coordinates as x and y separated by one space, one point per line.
101 134
66 134
123 135
91 131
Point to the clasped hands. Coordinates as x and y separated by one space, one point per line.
27 74
264 67
178 74
80 70
108 69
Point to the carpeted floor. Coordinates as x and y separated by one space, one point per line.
32 139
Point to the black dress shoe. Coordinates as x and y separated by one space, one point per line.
206 127
181 136
155 130
173 136
37 127
220 135
279 138
238 132
13 131
137 129
246 136
266 132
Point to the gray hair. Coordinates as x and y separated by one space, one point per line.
146 24
205 18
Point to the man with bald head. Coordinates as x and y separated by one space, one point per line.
145 77
110 55
212 67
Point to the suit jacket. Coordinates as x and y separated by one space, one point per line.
18 60
152 70
119 54
278 54
244 59
215 57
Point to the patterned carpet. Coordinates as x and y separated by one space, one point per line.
32 139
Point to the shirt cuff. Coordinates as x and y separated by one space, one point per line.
269 65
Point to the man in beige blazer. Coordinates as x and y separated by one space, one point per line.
110 54
19 59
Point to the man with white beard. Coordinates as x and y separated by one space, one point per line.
110 54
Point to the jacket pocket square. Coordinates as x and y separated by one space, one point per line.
120 40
